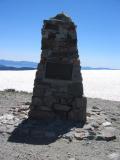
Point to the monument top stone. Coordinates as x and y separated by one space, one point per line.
62 16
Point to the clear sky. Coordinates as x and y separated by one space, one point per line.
98 28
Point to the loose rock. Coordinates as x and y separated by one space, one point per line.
106 124
107 134
81 135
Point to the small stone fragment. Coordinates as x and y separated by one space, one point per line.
27 103
88 127
69 136
88 114
114 119
79 136
95 107
95 124
23 108
106 124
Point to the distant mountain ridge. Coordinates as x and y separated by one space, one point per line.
4 68
18 64
27 65
97 68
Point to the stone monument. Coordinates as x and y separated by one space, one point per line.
58 89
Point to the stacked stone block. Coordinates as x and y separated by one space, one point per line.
58 89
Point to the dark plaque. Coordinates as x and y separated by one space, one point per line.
58 71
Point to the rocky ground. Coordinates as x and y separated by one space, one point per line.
21 138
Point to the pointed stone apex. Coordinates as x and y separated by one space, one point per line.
63 17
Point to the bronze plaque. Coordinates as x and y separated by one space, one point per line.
58 71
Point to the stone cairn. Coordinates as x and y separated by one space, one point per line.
58 89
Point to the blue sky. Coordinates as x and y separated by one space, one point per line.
98 28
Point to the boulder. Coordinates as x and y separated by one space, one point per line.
106 134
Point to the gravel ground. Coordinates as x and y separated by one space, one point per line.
59 149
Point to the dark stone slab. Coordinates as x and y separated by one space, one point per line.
58 71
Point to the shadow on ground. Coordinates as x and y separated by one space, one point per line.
41 132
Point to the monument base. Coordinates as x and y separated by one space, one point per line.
75 111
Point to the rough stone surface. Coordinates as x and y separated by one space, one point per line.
58 88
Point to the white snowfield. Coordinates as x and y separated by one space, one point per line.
103 84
